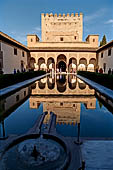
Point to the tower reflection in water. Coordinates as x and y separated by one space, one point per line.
63 95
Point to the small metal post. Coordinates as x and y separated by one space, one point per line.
78 137
83 165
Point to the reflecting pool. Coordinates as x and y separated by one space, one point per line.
73 101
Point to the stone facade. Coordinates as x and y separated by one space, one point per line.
65 28
62 48
105 57
13 55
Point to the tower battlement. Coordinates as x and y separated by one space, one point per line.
62 15
62 27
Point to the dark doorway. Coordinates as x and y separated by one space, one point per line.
62 66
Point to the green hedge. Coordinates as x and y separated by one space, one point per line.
10 79
103 79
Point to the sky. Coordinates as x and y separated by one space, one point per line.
21 17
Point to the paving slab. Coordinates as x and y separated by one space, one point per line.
98 155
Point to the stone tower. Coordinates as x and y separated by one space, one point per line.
62 28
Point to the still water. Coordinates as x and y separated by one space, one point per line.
72 100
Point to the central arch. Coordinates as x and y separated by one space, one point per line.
62 66
61 63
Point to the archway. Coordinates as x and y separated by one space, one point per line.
92 65
62 66
72 81
32 63
72 65
82 64
81 84
61 83
61 63
41 64
50 64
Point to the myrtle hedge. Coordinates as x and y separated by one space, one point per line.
103 79
10 79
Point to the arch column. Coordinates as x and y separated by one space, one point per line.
77 62
46 60
55 60
67 63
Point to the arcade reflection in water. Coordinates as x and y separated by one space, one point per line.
63 95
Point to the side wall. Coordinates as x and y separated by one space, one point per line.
11 61
105 61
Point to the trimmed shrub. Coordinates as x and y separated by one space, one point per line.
10 79
103 79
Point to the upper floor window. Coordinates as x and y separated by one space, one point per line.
22 53
15 51
75 37
31 40
93 40
109 52
61 38
101 55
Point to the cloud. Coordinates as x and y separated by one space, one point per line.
38 29
110 21
21 37
95 15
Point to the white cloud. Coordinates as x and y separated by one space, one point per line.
38 29
21 37
110 21
95 15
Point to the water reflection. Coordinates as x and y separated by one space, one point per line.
63 95
69 98
62 84
12 118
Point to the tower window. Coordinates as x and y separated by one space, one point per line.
75 37
31 40
93 40
61 39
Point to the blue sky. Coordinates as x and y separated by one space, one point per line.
21 17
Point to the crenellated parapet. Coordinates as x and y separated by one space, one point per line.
62 15
62 27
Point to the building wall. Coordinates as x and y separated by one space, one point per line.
1 59
106 61
11 61
76 55
87 44
65 28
